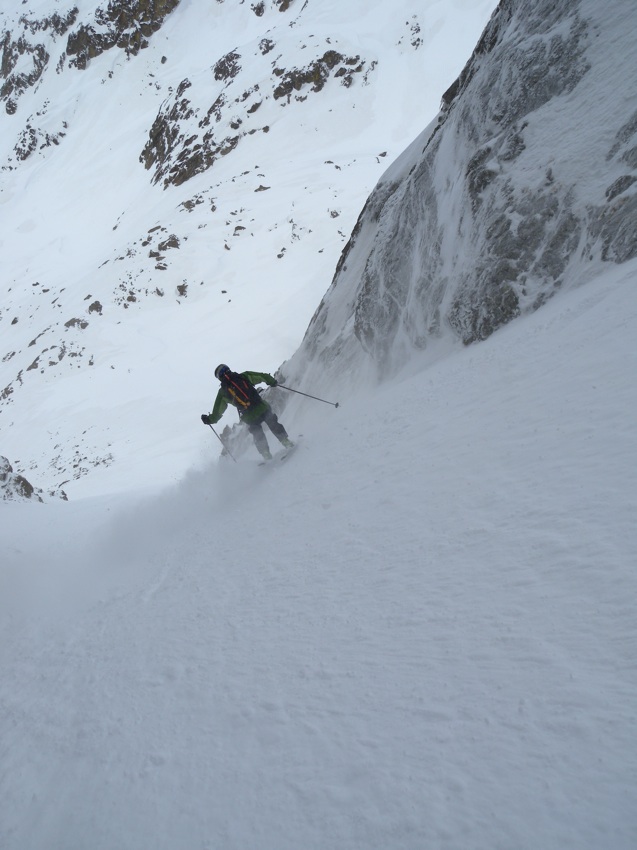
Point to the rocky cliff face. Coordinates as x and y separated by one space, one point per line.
526 182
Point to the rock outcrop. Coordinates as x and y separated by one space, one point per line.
200 123
15 487
126 24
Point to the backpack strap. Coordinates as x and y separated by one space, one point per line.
242 393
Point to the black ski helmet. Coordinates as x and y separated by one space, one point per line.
221 370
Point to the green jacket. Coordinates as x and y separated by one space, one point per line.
250 414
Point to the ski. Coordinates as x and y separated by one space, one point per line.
279 457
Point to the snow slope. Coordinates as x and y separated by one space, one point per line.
417 632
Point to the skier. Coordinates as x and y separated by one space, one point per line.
238 389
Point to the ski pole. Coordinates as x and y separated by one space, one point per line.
223 444
333 403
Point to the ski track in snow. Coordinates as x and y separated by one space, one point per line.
418 632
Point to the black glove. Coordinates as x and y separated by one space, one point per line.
205 419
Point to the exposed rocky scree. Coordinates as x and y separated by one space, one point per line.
483 219
32 42
125 24
15 487
192 130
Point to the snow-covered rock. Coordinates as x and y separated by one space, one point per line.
15 487
525 184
